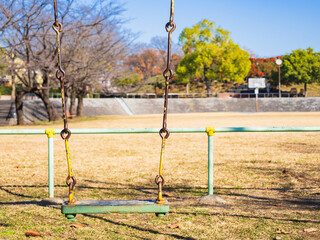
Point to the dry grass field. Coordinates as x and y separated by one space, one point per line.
270 181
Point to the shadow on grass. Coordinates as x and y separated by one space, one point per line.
139 228
302 202
249 217
169 188
179 193
24 203
2 188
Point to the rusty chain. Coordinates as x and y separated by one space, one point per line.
167 73
164 132
65 133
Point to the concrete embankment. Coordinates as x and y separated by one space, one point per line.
188 105
34 110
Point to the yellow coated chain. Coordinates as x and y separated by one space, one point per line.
71 180
65 133
159 179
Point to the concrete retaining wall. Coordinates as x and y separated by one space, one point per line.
148 106
34 110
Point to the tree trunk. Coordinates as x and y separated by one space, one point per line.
13 77
13 85
72 108
208 87
206 80
80 105
305 90
19 107
53 114
156 91
19 103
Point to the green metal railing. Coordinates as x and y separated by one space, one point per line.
209 130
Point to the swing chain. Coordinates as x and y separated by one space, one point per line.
164 132
167 73
71 182
60 73
65 133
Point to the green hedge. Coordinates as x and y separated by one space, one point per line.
4 90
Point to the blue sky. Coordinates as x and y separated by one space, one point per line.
266 27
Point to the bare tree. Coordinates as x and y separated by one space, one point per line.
92 42
3 61
25 33
95 50
161 43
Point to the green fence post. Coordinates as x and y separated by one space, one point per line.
210 198
210 131
50 133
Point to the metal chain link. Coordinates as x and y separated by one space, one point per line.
65 133
164 132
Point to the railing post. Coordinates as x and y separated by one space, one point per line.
50 133
210 198
210 131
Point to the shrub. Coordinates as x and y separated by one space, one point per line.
5 90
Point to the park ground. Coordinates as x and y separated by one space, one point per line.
270 181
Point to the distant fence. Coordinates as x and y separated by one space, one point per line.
260 95
58 95
218 95
171 95
191 95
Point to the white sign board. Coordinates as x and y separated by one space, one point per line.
257 82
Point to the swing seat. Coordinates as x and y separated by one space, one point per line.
114 206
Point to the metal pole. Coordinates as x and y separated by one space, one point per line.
279 84
132 130
210 131
156 130
267 129
50 134
257 92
